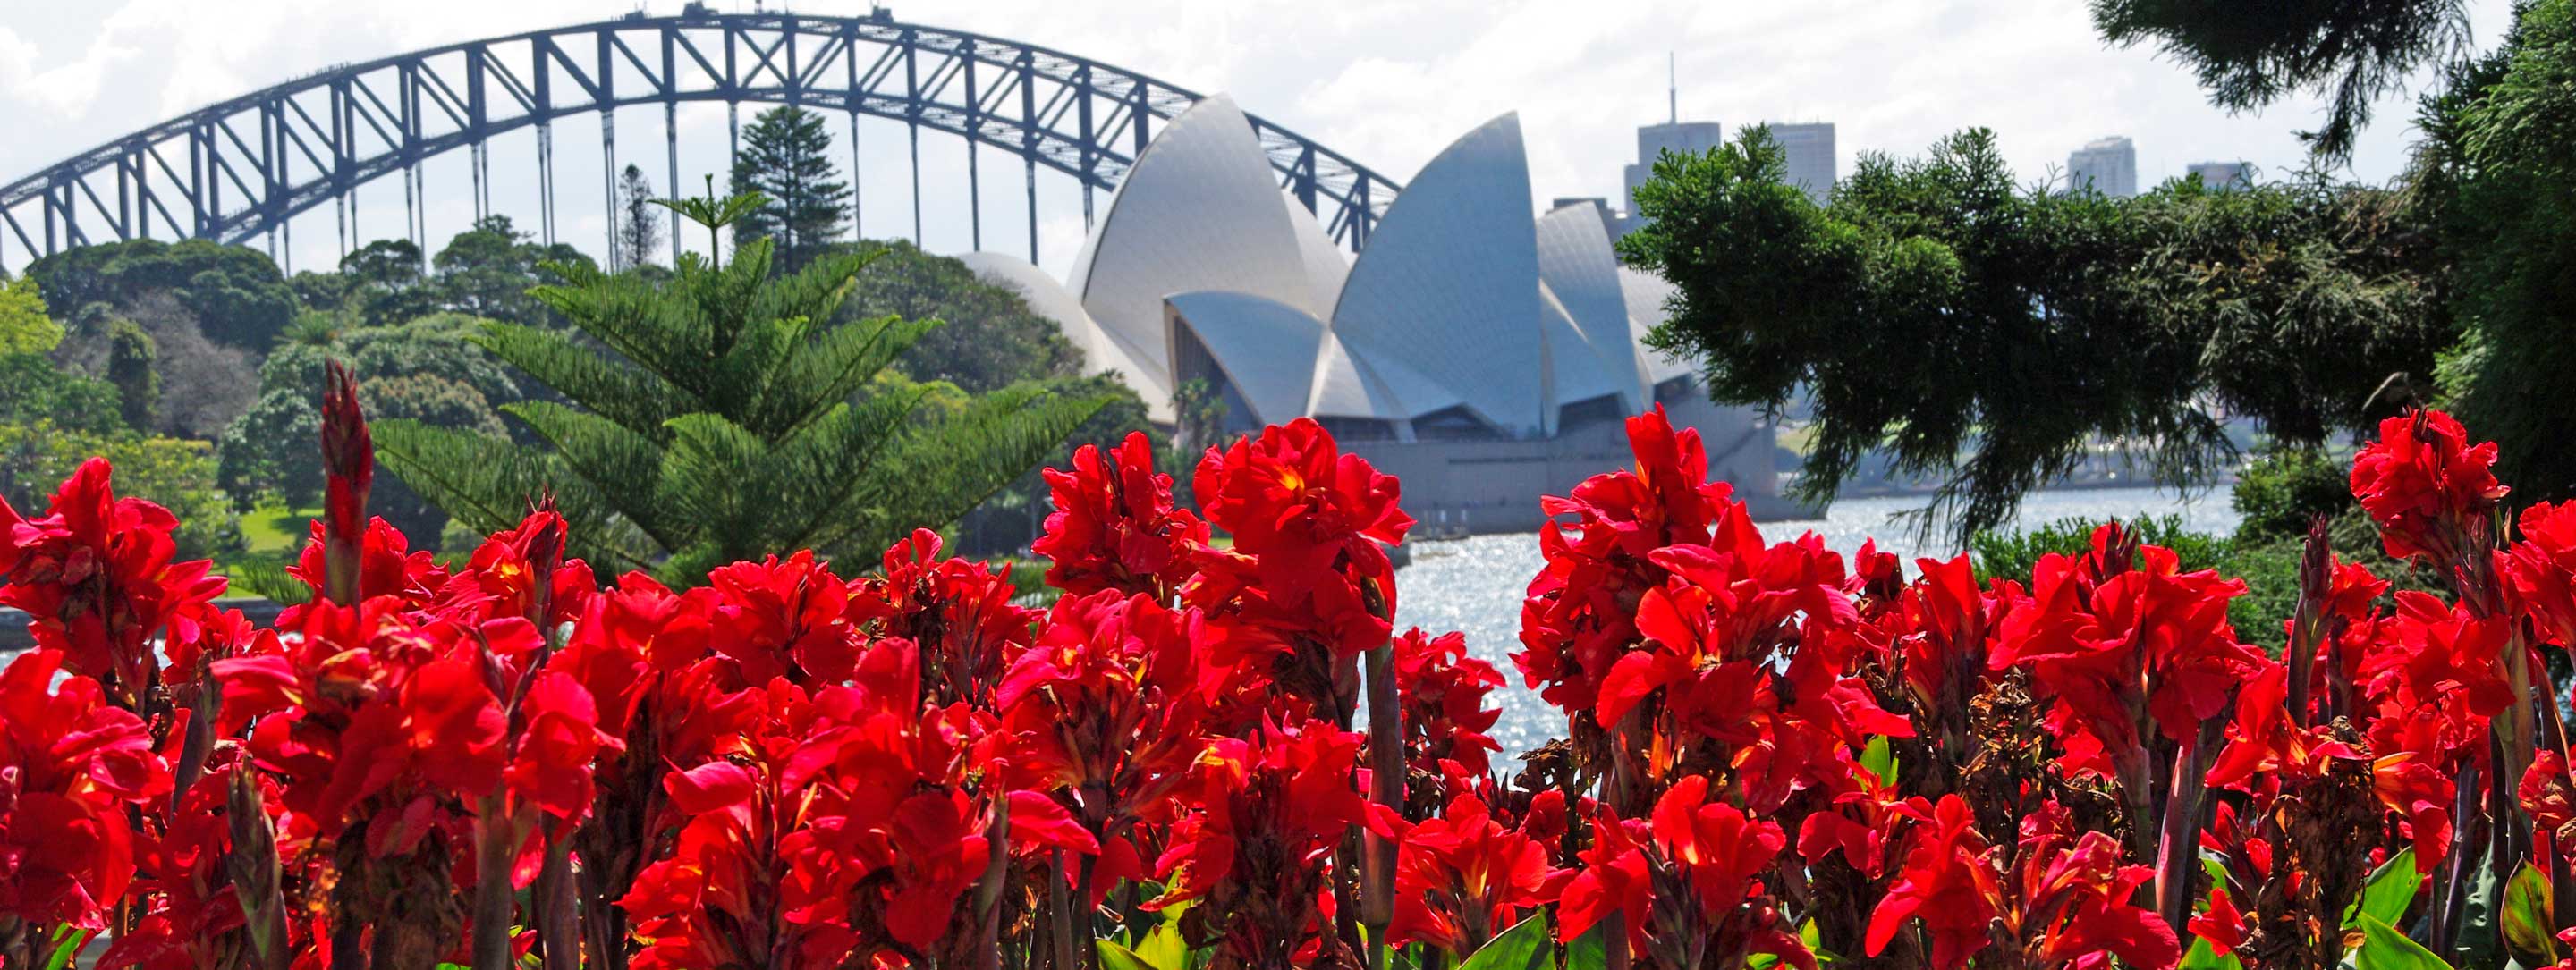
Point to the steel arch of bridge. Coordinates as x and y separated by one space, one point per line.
241 168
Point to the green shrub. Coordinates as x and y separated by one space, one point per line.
35 457
2283 491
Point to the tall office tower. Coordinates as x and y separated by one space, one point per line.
1673 136
1810 151
2224 175
2107 165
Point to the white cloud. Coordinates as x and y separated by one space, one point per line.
1386 83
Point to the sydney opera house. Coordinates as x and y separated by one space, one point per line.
1482 353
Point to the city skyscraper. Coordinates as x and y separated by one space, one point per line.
2106 165
1810 151
2222 175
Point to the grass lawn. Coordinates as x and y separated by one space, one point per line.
270 535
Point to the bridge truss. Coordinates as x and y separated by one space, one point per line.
240 169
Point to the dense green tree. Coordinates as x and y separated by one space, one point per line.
1993 335
786 158
639 221
486 271
2499 168
424 370
720 417
33 389
992 339
25 326
130 354
2248 55
235 293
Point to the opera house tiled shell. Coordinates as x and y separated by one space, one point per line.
1464 318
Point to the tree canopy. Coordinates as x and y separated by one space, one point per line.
786 159
2248 55
720 416
1992 334
2496 171
235 293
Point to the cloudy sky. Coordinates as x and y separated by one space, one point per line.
1385 82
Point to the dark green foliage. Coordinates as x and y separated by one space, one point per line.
786 157
2011 554
2497 167
2251 54
718 418
2280 493
486 272
639 221
235 293
423 370
992 339
1993 335
129 367
33 389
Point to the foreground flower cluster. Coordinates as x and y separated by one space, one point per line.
1208 753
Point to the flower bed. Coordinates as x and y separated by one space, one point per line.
1223 753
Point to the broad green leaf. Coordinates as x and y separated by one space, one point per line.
1523 947
2388 893
1115 957
2525 918
1879 758
67 946
1162 948
2203 956
2384 948
1591 951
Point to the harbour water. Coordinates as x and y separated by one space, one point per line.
1474 585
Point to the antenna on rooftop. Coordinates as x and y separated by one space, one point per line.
1672 88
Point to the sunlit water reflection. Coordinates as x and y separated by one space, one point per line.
1474 585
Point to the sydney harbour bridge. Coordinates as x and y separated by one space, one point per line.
240 170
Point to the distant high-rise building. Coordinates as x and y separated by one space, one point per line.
1810 151
1675 136
2106 165
2224 175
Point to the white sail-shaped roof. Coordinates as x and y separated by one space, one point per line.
1198 211
1646 294
1142 368
1326 265
1576 265
1265 348
1573 371
1448 284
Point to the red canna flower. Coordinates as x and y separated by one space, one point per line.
1462 877
1945 881
1443 691
1310 526
2122 632
2540 571
1264 816
2425 484
2263 740
1115 526
957 612
1689 888
1579 616
1105 712
2074 900
95 577
71 766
